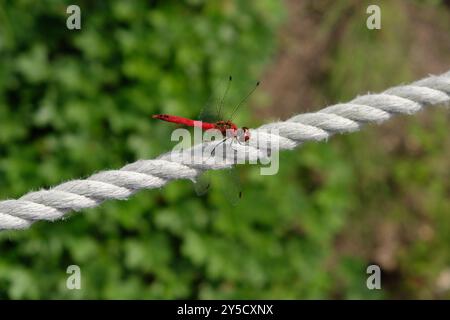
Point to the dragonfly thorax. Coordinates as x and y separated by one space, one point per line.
223 126
229 127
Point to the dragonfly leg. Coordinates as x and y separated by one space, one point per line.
214 149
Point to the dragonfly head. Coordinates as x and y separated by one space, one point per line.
243 134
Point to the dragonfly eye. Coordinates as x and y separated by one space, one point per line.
246 134
243 134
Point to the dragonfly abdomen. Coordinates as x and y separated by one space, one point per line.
185 121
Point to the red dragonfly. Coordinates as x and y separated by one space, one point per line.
242 135
227 128
222 126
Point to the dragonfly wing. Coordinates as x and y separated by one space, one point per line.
202 184
212 111
232 186
208 113
227 183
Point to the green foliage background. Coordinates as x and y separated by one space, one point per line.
76 102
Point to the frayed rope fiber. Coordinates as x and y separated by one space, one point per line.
75 195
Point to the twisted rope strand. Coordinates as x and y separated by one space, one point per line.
75 195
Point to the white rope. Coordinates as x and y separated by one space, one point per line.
76 195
